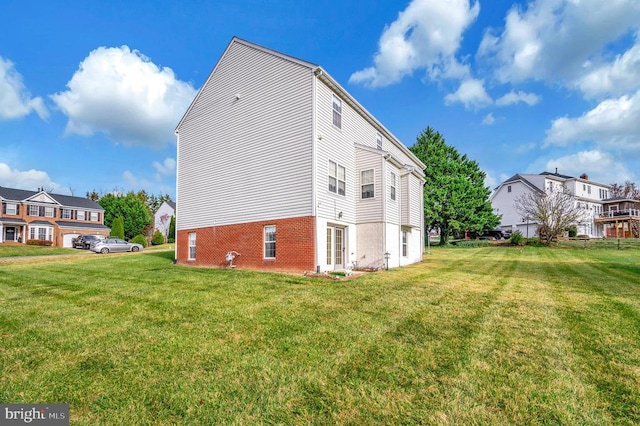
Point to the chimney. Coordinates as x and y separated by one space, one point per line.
584 176
556 170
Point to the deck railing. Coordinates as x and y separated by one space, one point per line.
617 213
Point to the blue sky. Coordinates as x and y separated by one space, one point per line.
91 91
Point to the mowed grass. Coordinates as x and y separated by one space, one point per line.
470 336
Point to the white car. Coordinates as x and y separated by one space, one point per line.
109 245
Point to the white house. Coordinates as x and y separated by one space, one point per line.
279 167
162 217
593 197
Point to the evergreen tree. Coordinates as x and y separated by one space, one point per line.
171 237
455 197
117 228
131 208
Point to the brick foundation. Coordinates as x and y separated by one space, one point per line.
295 245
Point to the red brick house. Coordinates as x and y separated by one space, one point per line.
39 215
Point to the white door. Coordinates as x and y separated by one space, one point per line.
336 247
67 240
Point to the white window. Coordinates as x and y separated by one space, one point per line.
404 243
192 246
392 191
589 189
378 141
270 242
336 178
337 112
94 217
40 233
80 215
66 213
34 210
11 208
366 183
48 211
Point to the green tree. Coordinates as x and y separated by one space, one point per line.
136 215
455 196
117 227
171 237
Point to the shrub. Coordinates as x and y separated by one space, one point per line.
471 243
157 239
171 240
517 239
46 243
140 239
573 231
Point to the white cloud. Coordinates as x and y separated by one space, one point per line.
167 167
600 166
515 97
552 40
124 95
15 99
426 35
489 119
613 123
471 94
616 78
29 179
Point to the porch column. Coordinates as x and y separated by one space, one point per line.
1 233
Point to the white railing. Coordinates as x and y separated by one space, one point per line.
618 213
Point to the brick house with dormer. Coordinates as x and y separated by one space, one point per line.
54 218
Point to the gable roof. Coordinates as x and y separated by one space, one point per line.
323 76
64 200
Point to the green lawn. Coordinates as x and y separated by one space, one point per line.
492 335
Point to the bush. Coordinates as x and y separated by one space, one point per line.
573 231
171 240
45 243
517 239
140 239
157 239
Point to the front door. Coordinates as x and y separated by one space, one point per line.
10 234
335 247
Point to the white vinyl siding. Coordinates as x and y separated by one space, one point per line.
226 167
412 196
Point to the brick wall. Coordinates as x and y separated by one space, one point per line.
295 245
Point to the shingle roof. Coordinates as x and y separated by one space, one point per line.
65 200
65 224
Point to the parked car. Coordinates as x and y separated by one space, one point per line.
84 241
109 245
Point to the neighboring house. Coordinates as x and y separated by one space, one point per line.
603 216
39 215
280 168
162 217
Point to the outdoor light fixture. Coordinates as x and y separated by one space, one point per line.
387 255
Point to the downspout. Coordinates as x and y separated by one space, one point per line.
175 237
384 206
314 166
